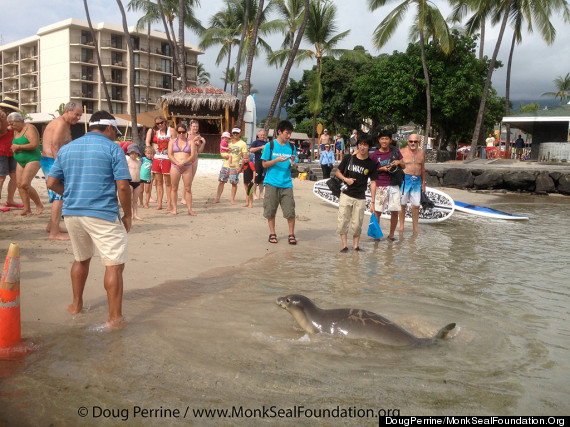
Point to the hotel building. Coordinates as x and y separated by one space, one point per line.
59 64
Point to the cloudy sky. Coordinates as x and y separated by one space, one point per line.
535 65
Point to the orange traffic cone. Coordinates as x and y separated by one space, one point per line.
10 330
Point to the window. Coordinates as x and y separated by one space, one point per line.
116 76
165 49
137 60
165 66
117 93
86 73
116 58
86 90
86 37
166 80
116 41
87 56
136 42
117 108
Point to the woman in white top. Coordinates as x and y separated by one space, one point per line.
159 137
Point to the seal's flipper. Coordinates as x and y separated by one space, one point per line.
442 333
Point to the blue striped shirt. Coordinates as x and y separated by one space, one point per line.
88 168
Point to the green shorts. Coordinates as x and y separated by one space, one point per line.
278 196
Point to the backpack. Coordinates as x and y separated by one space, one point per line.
397 173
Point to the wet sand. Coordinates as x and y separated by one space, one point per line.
164 248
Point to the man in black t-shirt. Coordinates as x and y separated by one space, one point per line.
355 170
257 148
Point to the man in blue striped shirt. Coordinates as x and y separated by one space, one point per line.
89 172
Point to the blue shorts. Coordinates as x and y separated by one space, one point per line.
229 174
411 190
46 163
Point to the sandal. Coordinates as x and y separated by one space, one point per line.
273 238
292 240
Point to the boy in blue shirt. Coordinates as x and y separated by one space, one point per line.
278 157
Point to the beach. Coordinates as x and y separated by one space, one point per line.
203 329
164 247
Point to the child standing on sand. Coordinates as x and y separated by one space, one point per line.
133 153
146 167
248 176
224 147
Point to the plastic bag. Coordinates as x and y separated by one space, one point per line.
374 230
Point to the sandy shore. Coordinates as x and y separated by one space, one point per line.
164 247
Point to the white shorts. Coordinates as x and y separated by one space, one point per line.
387 198
110 239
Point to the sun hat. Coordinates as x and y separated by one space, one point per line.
236 130
10 103
226 135
133 148
326 130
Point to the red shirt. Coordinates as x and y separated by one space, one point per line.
6 144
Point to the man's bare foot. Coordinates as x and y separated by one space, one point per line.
159 207
39 209
61 229
174 212
145 206
24 213
137 217
183 202
116 323
250 206
191 213
152 201
217 201
75 308
233 202
255 197
58 236
245 206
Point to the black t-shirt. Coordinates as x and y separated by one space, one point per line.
362 171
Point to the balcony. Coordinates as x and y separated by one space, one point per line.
13 89
107 44
80 60
85 43
29 86
29 70
29 101
29 56
82 77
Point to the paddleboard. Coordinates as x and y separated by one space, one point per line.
442 210
487 212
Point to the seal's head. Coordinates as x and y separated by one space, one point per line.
301 308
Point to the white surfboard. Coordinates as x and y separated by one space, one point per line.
487 212
249 118
442 210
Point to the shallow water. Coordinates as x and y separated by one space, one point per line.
219 341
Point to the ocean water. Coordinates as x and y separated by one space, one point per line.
220 341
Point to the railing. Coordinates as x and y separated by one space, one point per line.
112 45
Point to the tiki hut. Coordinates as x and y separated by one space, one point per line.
215 110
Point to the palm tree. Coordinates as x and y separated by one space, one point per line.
103 80
294 49
428 18
251 53
132 101
202 76
244 27
562 85
230 77
539 14
223 30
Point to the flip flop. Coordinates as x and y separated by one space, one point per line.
3 209
14 205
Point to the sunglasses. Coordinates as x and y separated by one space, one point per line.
182 131
159 123
413 141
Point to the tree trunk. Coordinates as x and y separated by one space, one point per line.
285 75
241 43
132 101
181 50
251 53
482 40
428 90
148 69
228 65
481 113
170 42
508 95
99 65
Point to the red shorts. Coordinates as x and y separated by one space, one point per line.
161 166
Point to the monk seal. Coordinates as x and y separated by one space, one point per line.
352 323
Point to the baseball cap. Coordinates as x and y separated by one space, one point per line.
133 148
226 135
236 130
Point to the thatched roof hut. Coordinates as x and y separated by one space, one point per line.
216 111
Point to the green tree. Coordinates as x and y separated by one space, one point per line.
427 18
562 85
223 30
202 76
533 106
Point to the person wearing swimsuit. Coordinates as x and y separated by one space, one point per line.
160 138
27 154
194 135
182 154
